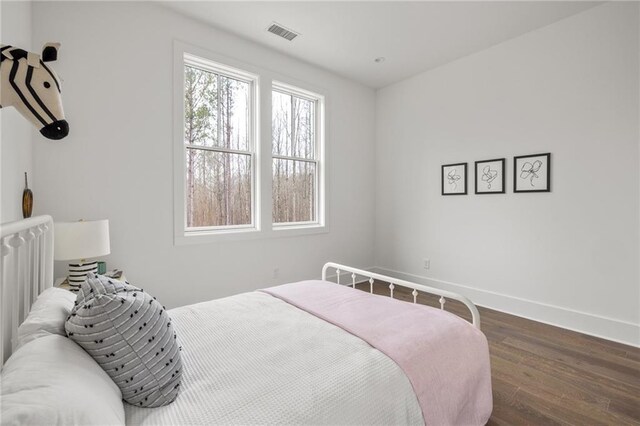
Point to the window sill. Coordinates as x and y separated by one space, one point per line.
296 230
248 234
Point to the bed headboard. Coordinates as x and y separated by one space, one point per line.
26 269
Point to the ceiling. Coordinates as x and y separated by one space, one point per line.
346 37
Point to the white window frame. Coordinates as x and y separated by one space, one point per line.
318 159
263 174
185 56
251 79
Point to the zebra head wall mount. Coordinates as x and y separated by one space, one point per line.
33 88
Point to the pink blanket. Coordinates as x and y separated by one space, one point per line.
445 358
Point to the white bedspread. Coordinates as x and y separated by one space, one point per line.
254 359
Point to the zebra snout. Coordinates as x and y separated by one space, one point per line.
56 130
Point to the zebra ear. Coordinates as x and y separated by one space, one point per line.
50 52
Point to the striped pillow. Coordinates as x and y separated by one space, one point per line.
130 336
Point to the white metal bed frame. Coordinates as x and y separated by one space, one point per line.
393 282
26 269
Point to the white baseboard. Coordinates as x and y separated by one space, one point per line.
613 329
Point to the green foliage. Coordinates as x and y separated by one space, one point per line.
200 107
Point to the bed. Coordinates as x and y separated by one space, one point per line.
312 352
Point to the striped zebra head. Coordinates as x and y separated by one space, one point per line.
31 87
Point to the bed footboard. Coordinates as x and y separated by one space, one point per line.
393 282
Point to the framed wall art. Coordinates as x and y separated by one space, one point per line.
532 173
454 179
490 177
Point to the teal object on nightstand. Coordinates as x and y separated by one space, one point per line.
102 268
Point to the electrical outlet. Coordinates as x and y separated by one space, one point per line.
426 263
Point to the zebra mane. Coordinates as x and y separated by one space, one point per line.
15 54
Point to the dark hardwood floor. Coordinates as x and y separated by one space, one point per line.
545 375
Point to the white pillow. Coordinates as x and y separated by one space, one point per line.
47 316
53 381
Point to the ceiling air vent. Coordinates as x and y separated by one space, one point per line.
281 31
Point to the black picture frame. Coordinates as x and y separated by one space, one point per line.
531 171
500 174
451 179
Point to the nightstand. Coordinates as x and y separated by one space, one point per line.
64 284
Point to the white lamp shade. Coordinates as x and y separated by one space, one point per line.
81 240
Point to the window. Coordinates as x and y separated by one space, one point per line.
296 151
219 146
222 188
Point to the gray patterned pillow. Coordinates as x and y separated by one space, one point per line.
130 335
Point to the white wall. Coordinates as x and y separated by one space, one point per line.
15 134
568 257
116 65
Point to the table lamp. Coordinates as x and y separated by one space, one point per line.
79 241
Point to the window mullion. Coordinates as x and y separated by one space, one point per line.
286 157
219 149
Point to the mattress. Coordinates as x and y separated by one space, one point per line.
255 359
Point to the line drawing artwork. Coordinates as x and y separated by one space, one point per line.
530 171
453 178
489 175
